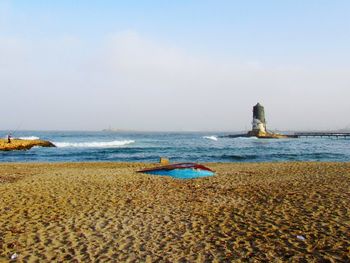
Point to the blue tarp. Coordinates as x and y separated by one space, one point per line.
182 173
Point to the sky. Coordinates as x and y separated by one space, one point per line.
174 65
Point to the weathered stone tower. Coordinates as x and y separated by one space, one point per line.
259 122
259 127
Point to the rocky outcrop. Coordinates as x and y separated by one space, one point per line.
273 136
18 144
266 135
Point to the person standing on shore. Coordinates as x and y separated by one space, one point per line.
9 138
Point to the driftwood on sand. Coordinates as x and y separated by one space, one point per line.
18 144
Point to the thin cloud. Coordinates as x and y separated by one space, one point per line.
131 81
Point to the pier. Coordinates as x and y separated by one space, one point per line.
260 130
322 134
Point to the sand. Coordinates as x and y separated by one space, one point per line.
105 212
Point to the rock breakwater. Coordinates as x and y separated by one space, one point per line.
18 144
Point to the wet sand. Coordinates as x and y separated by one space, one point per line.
83 212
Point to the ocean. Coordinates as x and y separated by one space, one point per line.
177 146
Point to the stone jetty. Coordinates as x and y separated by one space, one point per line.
19 144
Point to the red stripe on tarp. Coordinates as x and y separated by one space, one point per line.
177 166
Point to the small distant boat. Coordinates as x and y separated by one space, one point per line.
180 170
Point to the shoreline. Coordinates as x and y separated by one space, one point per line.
106 211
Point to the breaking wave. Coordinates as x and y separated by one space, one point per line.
247 138
110 144
29 138
213 138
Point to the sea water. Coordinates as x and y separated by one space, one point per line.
177 146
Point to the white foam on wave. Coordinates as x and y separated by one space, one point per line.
247 138
29 138
111 144
213 138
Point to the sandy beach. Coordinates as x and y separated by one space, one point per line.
106 212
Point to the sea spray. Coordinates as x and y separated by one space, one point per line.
110 144
31 138
213 138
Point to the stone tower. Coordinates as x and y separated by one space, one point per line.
259 122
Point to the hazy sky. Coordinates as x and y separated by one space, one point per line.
174 65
